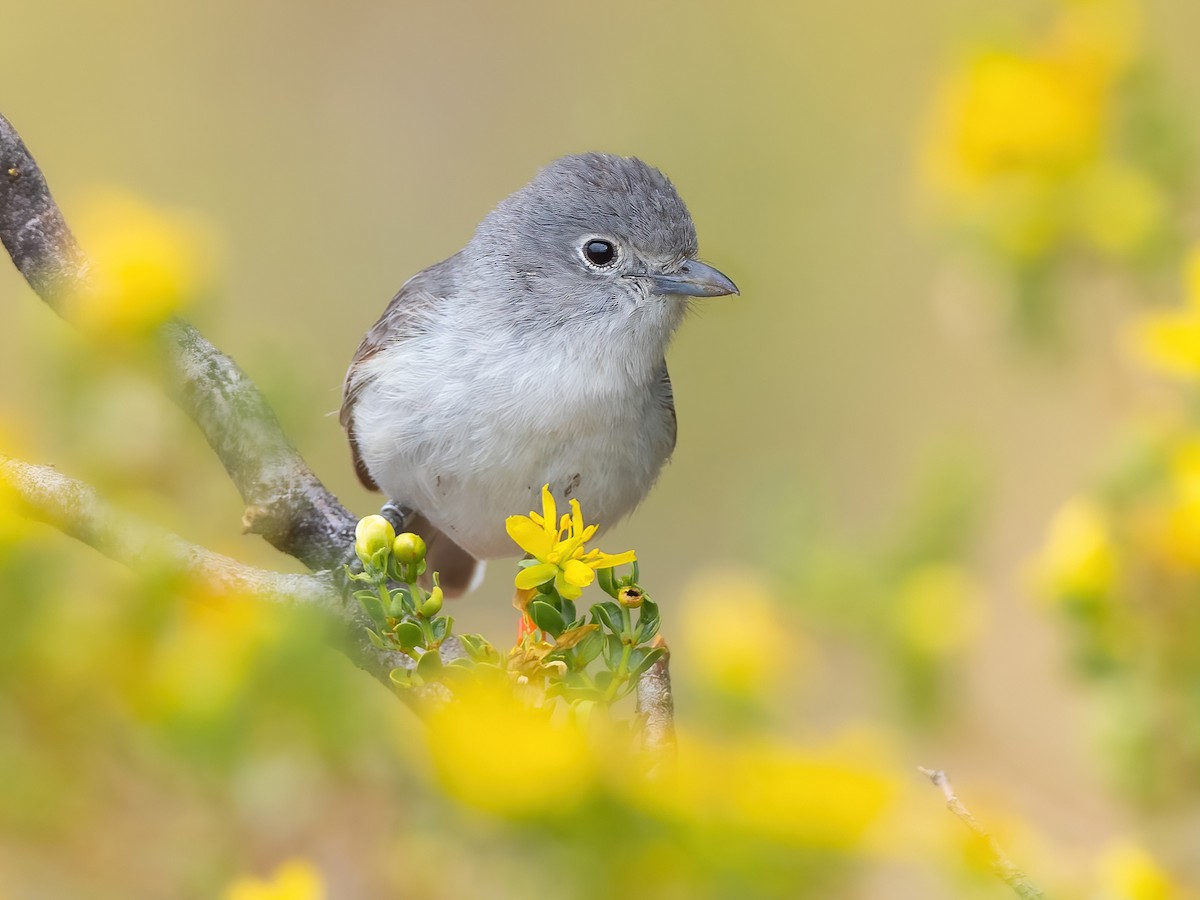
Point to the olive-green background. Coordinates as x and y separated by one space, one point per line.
338 148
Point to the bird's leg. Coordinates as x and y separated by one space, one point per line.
398 515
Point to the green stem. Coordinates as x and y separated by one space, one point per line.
621 675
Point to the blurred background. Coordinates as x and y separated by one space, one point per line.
937 486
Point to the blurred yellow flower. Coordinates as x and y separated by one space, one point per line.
1167 525
1017 149
731 627
796 795
199 663
1008 112
493 752
558 546
1170 342
1117 208
1079 558
1127 872
294 879
938 610
13 525
146 263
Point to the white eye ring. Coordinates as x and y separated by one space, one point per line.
599 252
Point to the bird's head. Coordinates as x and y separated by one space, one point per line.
594 234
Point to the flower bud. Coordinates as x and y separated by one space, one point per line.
631 597
372 534
433 605
408 548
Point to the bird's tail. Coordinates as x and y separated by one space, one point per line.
458 571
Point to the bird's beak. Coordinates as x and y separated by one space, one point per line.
694 279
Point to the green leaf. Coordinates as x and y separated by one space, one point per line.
409 635
635 657
478 648
376 639
351 575
372 606
607 581
568 610
583 692
647 631
608 614
429 666
589 648
546 617
648 621
613 649
401 604
649 658
440 627
401 677
603 680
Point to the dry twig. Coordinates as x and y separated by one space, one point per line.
1001 864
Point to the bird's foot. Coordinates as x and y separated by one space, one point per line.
397 515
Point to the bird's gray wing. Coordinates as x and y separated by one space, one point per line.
665 395
405 314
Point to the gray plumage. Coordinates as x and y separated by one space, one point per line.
531 357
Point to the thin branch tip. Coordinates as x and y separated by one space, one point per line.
1001 864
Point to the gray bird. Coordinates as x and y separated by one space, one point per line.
534 355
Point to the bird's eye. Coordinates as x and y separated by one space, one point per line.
599 252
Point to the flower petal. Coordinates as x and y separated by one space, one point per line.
576 518
529 536
576 573
609 560
565 588
535 575
549 510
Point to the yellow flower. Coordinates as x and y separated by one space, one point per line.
1128 872
731 626
938 610
294 879
558 547
814 797
200 663
1079 558
1117 208
534 764
13 525
1017 148
1167 527
373 539
1170 342
1005 113
147 263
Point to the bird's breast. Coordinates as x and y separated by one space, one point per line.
472 443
